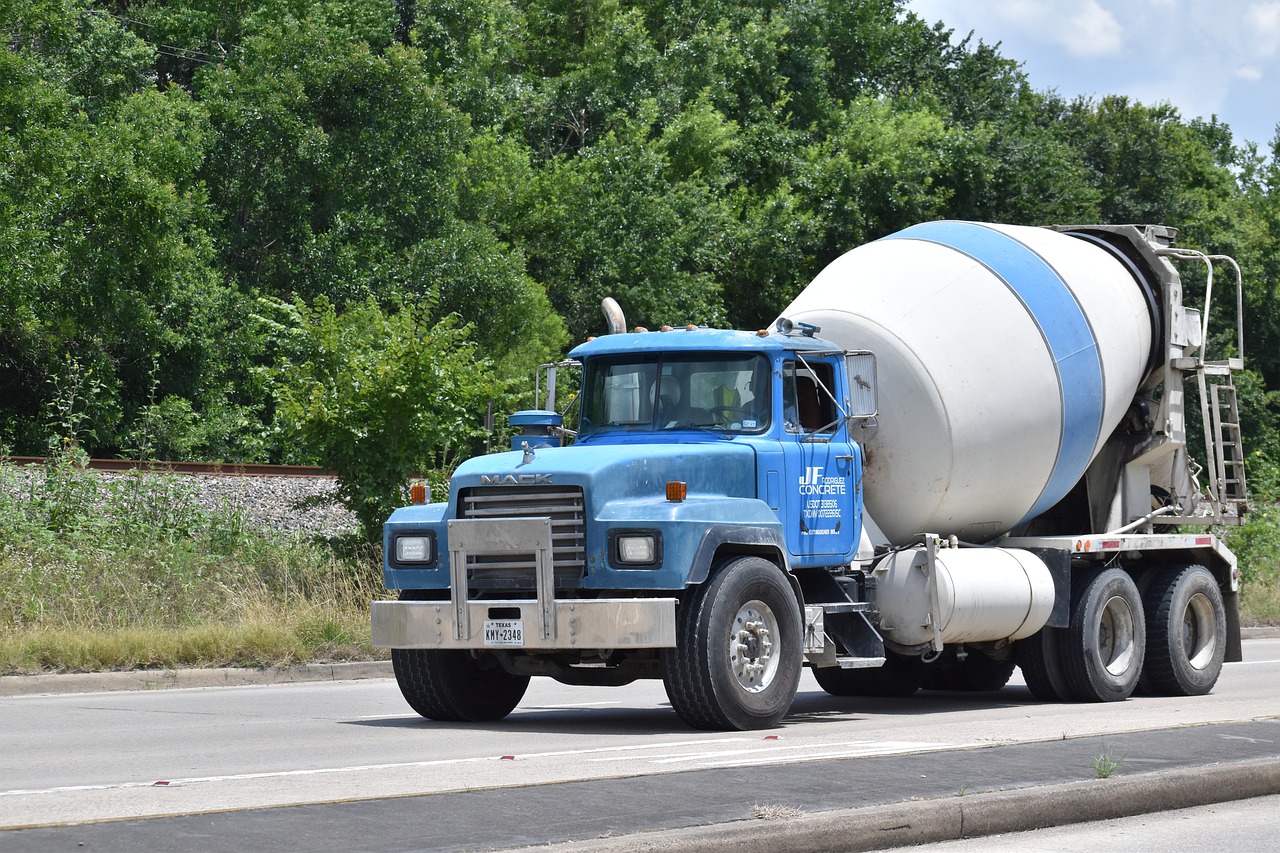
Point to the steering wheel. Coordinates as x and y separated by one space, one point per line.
728 413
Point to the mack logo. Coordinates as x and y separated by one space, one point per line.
515 479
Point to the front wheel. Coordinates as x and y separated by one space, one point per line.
1186 632
455 686
738 654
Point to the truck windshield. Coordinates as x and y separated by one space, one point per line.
668 392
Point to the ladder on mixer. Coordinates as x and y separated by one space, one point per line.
1220 415
1226 451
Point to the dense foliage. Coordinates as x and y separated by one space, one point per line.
223 224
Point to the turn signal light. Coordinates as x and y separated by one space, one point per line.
418 493
677 491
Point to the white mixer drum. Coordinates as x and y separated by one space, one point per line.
1006 356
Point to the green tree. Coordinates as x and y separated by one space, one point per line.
104 240
378 396
333 159
617 219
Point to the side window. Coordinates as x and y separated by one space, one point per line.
807 407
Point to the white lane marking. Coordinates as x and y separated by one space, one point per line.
319 771
1248 662
1242 737
793 758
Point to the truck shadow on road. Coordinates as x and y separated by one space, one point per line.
809 707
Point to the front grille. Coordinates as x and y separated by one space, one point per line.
562 504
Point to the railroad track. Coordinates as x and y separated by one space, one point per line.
213 469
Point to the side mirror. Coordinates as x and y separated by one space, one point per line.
861 367
863 402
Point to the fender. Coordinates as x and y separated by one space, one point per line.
753 540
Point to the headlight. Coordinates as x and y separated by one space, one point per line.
415 548
635 549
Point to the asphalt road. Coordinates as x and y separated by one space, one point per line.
621 760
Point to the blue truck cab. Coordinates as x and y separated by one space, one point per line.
701 458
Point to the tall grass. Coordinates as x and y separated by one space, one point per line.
133 572
1256 544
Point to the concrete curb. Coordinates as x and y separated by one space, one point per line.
954 818
164 679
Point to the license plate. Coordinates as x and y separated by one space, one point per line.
504 632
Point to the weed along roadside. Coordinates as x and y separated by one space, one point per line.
124 572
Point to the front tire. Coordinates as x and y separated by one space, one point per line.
452 685
1186 632
1105 643
738 654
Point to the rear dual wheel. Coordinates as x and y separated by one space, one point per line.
1099 656
1186 632
1169 640
898 676
1042 665
976 672
1104 645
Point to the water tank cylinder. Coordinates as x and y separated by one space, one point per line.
984 594
1006 355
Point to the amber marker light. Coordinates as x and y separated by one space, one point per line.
677 491
418 493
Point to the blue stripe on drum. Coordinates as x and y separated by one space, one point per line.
1053 307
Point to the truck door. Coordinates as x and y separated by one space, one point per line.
820 467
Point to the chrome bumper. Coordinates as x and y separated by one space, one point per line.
548 622
602 623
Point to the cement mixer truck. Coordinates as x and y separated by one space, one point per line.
961 450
